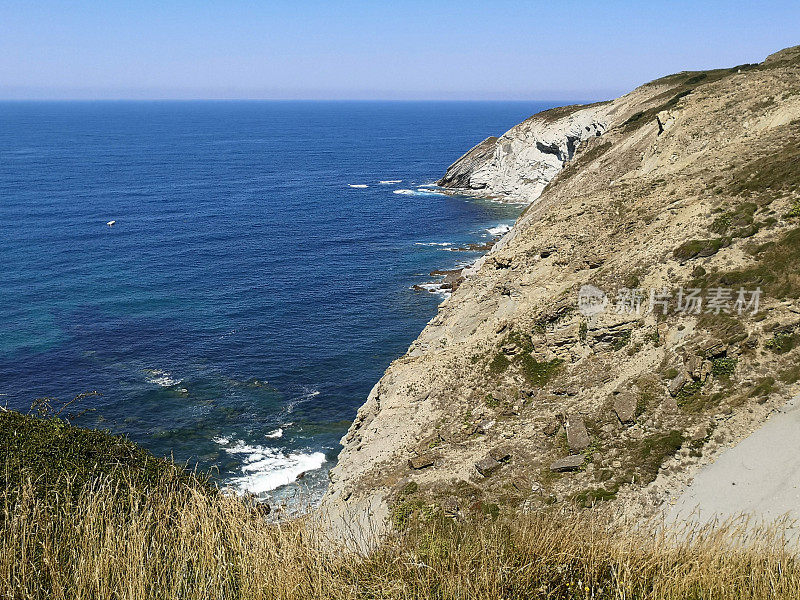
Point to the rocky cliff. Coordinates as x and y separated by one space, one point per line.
518 165
642 314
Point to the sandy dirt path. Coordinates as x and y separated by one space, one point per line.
759 477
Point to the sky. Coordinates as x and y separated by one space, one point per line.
378 49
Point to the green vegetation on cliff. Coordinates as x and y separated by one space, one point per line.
53 457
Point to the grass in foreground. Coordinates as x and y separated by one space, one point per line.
109 541
89 515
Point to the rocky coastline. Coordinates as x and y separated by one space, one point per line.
515 397
447 280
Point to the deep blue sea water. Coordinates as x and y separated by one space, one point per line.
247 298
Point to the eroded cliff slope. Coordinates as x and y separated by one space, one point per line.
574 364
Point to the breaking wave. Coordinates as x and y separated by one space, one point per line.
266 469
161 378
499 229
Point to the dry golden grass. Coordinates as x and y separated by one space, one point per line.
181 542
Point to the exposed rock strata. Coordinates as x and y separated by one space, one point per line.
518 165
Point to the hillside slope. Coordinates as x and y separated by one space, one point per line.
514 397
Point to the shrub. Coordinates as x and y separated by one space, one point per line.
654 450
499 363
723 366
775 270
539 373
589 498
763 388
772 173
698 248
781 342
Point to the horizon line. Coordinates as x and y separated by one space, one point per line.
245 99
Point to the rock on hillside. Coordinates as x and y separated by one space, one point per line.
515 397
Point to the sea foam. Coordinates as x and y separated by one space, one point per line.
266 469
161 378
499 229
434 288
417 192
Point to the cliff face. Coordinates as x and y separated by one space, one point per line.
517 166
572 364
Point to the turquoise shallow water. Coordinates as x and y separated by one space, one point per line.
247 298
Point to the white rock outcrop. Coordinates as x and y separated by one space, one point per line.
517 166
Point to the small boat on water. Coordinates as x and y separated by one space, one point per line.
111 223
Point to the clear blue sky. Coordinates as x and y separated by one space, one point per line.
402 49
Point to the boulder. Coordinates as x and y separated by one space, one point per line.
423 461
450 507
421 397
551 427
577 436
714 349
484 426
705 370
501 262
676 385
500 454
563 336
487 466
625 407
693 366
609 337
568 463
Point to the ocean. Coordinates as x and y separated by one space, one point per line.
258 277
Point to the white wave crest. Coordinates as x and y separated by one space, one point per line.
390 181
358 185
161 378
278 433
417 192
435 288
265 469
499 229
432 244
